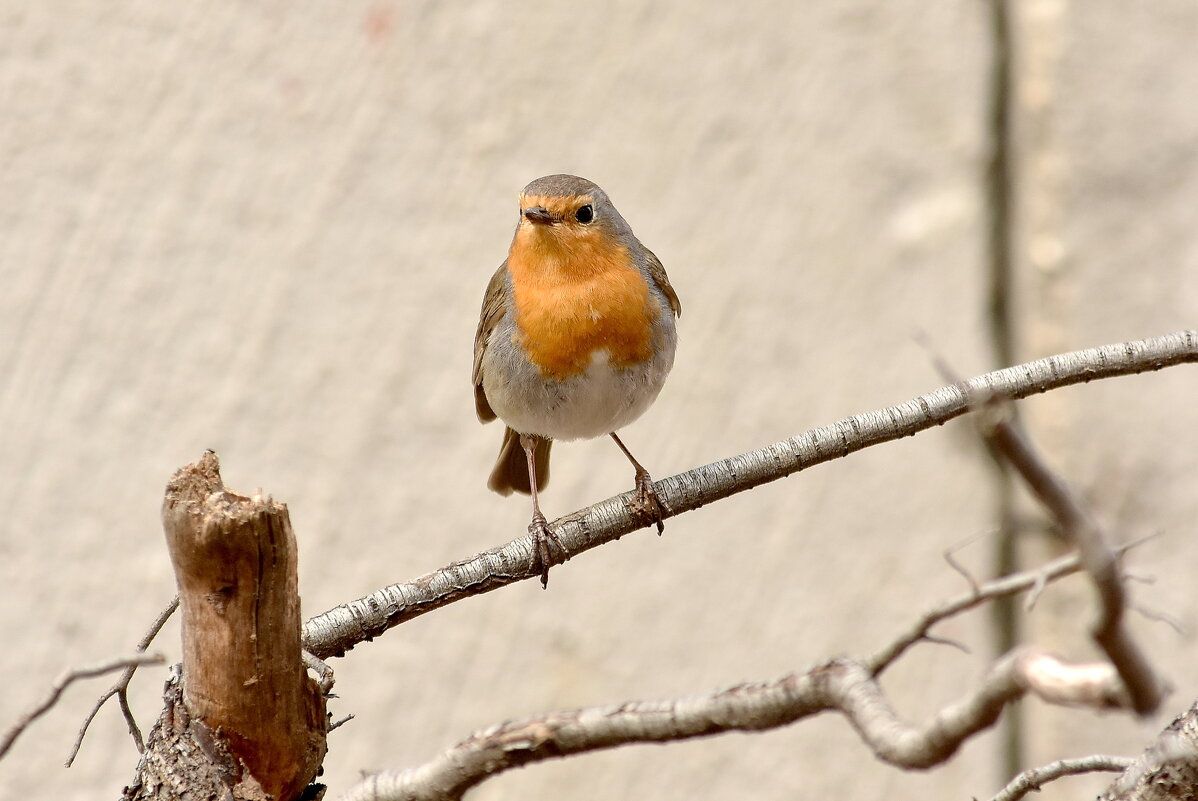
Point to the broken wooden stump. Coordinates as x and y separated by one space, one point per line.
247 722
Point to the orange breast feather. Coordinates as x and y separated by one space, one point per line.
575 295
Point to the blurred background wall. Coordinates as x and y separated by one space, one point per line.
266 229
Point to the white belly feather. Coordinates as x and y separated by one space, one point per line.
599 401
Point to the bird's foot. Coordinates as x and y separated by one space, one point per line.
542 535
647 504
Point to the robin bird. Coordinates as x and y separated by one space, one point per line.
575 340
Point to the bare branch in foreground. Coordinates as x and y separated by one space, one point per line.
842 685
61 683
1033 779
1100 561
338 630
845 685
121 688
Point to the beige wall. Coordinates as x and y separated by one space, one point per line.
266 231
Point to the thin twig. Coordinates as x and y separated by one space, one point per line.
960 568
121 688
998 588
1034 778
1034 596
325 677
1160 617
339 723
935 640
336 631
61 683
1033 581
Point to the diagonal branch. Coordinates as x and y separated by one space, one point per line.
336 631
1099 560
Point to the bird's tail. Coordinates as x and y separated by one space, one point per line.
511 468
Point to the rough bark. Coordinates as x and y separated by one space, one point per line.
1167 770
245 721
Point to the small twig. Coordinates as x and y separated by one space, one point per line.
1160 617
957 566
325 678
1033 580
1034 778
998 588
61 683
1034 595
121 688
960 646
339 723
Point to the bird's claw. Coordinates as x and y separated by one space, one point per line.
542 536
647 504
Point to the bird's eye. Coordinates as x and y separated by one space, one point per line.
585 214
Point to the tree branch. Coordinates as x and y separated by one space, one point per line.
64 681
1033 779
121 688
842 685
336 631
1006 586
845 685
1099 560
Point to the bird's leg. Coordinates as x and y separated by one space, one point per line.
539 527
648 504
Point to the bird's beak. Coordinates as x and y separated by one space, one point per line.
540 215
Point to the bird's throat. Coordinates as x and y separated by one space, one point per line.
577 293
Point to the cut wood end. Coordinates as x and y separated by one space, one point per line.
198 489
192 483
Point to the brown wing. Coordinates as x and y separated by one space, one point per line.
658 274
492 311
